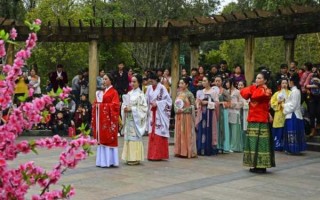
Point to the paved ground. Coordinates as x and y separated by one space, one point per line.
217 177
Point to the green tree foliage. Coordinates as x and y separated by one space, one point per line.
269 51
74 56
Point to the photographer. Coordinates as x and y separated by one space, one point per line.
68 108
81 117
313 98
58 78
84 82
21 88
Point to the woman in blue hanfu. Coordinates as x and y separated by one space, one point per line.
207 119
294 134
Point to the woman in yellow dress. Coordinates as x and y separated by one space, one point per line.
277 102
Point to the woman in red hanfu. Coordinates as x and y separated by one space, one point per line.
105 120
159 110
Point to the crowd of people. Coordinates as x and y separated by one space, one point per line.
215 111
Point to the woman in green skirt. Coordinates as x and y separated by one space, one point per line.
258 150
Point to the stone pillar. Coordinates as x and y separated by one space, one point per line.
93 68
175 72
10 54
249 58
194 55
289 48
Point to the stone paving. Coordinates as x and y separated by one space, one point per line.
216 177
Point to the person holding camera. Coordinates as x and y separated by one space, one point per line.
313 99
58 78
21 88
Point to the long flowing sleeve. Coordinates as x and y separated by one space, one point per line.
293 102
192 103
238 104
164 110
275 105
261 93
247 92
139 113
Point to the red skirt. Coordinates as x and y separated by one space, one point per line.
158 147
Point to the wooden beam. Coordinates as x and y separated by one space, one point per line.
249 58
263 13
239 15
93 69
175 67
194 55
289 48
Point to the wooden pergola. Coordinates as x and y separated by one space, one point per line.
287 22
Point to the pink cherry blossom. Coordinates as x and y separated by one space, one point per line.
13 33
37 21
15 182
2 49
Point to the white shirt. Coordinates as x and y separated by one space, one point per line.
293 104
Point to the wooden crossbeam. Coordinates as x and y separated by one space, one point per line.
239 15
258 23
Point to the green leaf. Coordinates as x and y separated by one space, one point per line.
12 42
2 34
23 98
52 93
2 77
59 91
34 150
27 23
6 36
66 190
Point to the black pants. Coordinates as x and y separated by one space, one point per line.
314 110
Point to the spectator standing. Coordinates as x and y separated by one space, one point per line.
237 75
224 71
313 101
34 82
100 85
193 85
130 75
84 82
302 82
76 86
121 80
214 71
58 78
21 88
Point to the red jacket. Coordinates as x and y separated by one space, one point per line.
259 102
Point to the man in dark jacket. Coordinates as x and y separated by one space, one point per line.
121 79
59 78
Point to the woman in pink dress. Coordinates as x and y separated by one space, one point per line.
185 136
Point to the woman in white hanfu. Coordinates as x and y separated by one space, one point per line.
134 114
159 110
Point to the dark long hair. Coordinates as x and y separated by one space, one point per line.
295 79
111 78
139 79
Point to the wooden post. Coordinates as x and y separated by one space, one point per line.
289 47
194 55
10 54
93 68
175 66
249 58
